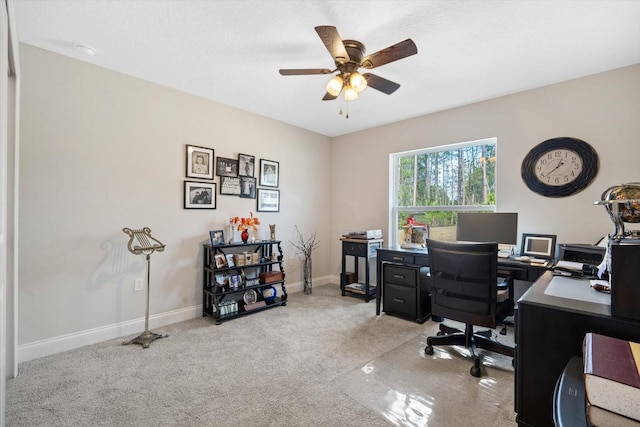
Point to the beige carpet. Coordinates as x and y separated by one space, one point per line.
306 364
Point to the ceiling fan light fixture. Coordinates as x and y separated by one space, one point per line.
335 85
350 94
358 82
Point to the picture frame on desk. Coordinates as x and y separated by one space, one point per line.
538 245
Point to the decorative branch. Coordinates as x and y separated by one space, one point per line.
305 247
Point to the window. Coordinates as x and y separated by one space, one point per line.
433 185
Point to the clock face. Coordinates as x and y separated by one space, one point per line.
560 167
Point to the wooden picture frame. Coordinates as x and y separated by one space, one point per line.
268 200
220 260
538 245
217 237
246 165
230 185
269 173
248 187
226 167
199 195
199 162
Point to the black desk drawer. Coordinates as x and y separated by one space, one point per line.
395 257
399 275
356 249
400 300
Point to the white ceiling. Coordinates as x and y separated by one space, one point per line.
230 51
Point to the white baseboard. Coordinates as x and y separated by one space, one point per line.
49 346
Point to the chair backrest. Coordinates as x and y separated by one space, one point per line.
464 281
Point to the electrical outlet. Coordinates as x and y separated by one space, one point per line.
138 285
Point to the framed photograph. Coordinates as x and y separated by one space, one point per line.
246 165
230 185
199 195
268 200
199 162
538 245
222 279
221 260
217 237
230 262
226 167
248 187
269 173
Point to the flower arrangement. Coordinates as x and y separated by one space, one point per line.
246 223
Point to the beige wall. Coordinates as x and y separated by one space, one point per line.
101 151
601 109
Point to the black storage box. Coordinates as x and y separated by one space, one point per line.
625 280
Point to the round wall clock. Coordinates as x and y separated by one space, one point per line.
560 167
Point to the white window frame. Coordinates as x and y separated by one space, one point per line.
394 173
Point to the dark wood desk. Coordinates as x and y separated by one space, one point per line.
419 258
549 332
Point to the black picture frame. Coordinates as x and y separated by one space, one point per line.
268 200
246 165
199 195
217 237
230 185
199 162
269 173
538 245
247 187
226 166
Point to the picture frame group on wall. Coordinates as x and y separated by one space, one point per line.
268 200
199 162
238 177
199 195
269 173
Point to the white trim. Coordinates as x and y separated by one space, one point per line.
49 346
74 340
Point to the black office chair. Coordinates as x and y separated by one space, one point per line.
465 287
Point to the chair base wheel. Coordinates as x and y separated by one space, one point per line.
428 350
475 371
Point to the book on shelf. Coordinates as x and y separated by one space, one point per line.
359 288
599 417
611 374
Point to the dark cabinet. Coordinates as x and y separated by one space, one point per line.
406 291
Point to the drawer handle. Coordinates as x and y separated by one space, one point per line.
399 300
397 276
398 258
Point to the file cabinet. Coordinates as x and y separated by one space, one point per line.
406 291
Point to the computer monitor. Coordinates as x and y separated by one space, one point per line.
500 227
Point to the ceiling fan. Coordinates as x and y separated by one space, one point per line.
349 57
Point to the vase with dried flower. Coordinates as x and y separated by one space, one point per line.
244 224
305 248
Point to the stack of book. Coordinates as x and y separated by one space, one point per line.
611 381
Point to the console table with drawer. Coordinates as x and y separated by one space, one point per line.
359 248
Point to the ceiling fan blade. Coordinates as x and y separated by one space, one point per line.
331 39
381 84
303 71
390 54
328 97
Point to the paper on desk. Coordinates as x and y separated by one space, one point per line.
570 265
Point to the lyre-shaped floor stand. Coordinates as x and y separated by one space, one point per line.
141 242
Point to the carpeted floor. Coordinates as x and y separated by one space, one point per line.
322 360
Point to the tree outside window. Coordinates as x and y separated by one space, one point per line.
432 185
